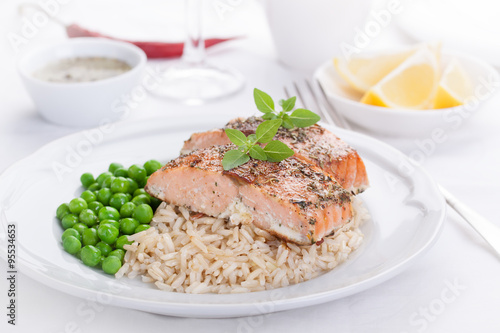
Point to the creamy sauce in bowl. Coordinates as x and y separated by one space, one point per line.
84 69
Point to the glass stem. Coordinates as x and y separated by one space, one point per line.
194 46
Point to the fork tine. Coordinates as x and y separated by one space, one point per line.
287 95
299 95
324 112
340 121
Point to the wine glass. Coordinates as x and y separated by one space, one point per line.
195 81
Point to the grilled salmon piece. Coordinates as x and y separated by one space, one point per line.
313 144
291 199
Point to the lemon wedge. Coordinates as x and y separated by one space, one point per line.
454 87
363 72
411 85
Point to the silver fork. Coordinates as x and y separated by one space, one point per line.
489 231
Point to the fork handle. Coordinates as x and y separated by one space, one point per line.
487 230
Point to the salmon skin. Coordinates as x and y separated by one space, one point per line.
293 200
313 144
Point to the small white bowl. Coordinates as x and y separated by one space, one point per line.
406 122
81 104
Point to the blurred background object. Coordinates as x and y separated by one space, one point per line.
196 81
307 32
471 26
91 101
153 49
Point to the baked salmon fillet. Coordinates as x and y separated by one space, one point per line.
292 199
314 144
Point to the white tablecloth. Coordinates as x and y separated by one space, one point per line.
454 288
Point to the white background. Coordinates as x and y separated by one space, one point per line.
467 163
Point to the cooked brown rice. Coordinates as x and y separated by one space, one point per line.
183 253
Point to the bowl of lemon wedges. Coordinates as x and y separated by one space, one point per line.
412 91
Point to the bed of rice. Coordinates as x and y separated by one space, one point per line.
183 253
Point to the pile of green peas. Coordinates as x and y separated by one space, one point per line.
113 206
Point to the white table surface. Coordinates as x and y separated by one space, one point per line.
468 164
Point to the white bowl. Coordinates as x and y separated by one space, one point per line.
405 122
82 104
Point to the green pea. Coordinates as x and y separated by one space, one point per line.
87 179
140 191
88 217
137 173
91 256
120 185
128 225
77 205
114 166
71 232
133 186
151 166
118 200
111 265
103 195
94 187
88 196
119 253
69 221
108 213
108 233
143 182
120 172
122 240
129 196
90 237
80 227
127 209
114 223
104 248
141 199
71 244
143 213
100 179
62 211
95 206
142 227
107 182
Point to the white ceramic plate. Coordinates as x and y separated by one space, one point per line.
406 207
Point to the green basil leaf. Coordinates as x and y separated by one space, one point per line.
288 104
267 130
269 116
287 122
258 153
304 118
236 137
277 151
234 158
263 101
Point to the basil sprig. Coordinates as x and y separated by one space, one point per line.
248 146
274 150
297 118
